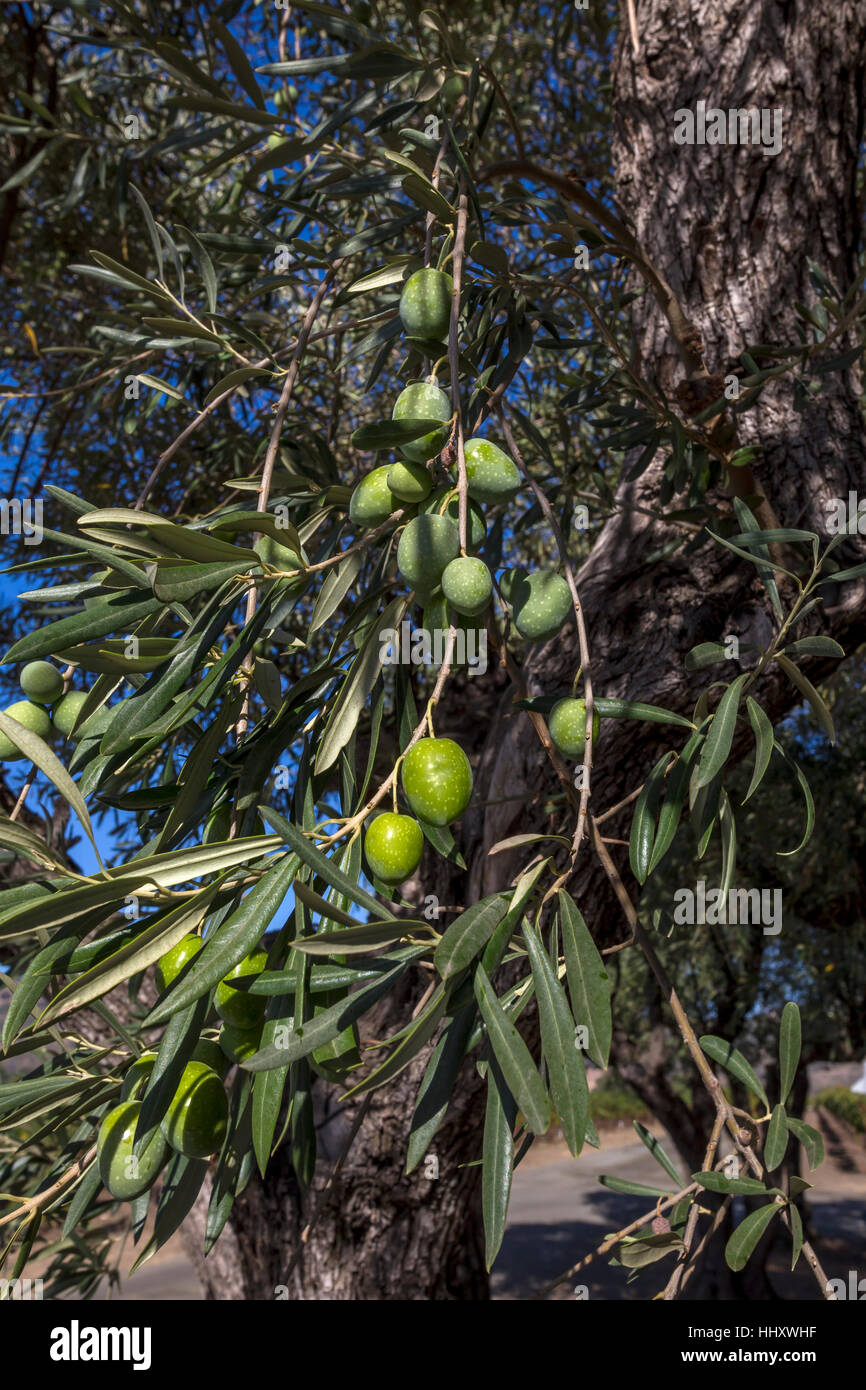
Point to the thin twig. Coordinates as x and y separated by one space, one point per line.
611 1241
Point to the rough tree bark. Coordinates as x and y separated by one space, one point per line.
732 231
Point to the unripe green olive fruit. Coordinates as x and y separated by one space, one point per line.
29 716
209 1051
239 1044
452 88
427 545
236 1006
68 710
409 481
476 528
567 725
41 682
372 501
507 581
541 602
467 585
438 616
425 304
197 1117
491 475
169 966
137 1076
437 780
393 846
126 1176
421 400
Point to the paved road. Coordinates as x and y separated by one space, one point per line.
560 1213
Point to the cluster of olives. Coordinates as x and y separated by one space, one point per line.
437 778
196 1120
437 784
45 708
428 555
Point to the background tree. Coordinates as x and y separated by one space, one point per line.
237 322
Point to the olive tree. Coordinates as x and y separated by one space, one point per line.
491 501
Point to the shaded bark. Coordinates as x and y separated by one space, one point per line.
732 231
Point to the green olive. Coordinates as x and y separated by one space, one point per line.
425 304
567 725
125 1175
41 682
393 846
437 780
237 1006
29 716
197 1117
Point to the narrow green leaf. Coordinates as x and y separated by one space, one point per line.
233 380
633 1189
323 866
120 613
800 777
467 936
796 1232
720 1182
811 1140
807 689
637 1254
514 1058
140 876
181 1185
728 833
338 582
747 1235
777 1139
790 1041
643 825
675 791
437 1085
317 904
228 945
815 646
763 731
145 949
565 1067
855 572
48 762
390 434
177 583
721 733
358 940
704 655
748 522
633 709
657 1151
239 63
355 689
588 980
306 1037
497 1161
411 1043
734 1063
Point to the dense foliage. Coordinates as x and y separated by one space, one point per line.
248 236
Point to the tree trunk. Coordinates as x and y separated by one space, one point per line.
732 230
